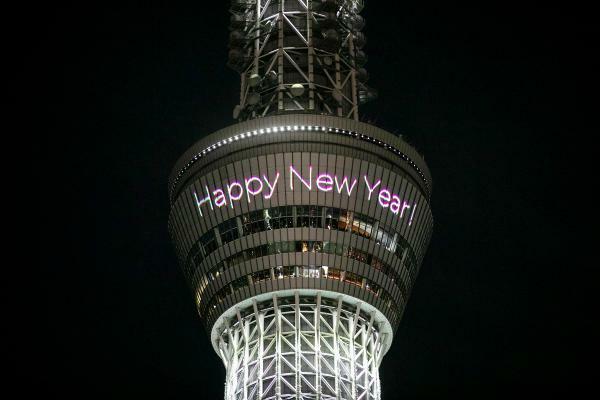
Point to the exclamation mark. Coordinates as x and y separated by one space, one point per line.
412 214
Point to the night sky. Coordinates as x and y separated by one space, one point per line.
483 93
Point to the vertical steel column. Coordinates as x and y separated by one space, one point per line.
246 334
336 343
353 78
242 88
318 346
297 332
352 329
278 355
234 364
338 83
377 356
368 361
311 51
260 321
281 88
257 36
373 366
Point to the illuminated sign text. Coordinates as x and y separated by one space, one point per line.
266 186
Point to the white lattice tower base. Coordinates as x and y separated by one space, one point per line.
301 348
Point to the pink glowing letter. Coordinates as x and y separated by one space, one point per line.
272 187
395 204
412 214
219 198
204 200
404 206
325 183
236 197
294 172
344 182
384 198
371 188
249 191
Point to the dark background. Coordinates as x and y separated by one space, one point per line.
490 95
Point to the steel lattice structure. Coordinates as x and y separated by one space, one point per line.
299 56
302 349
300 230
